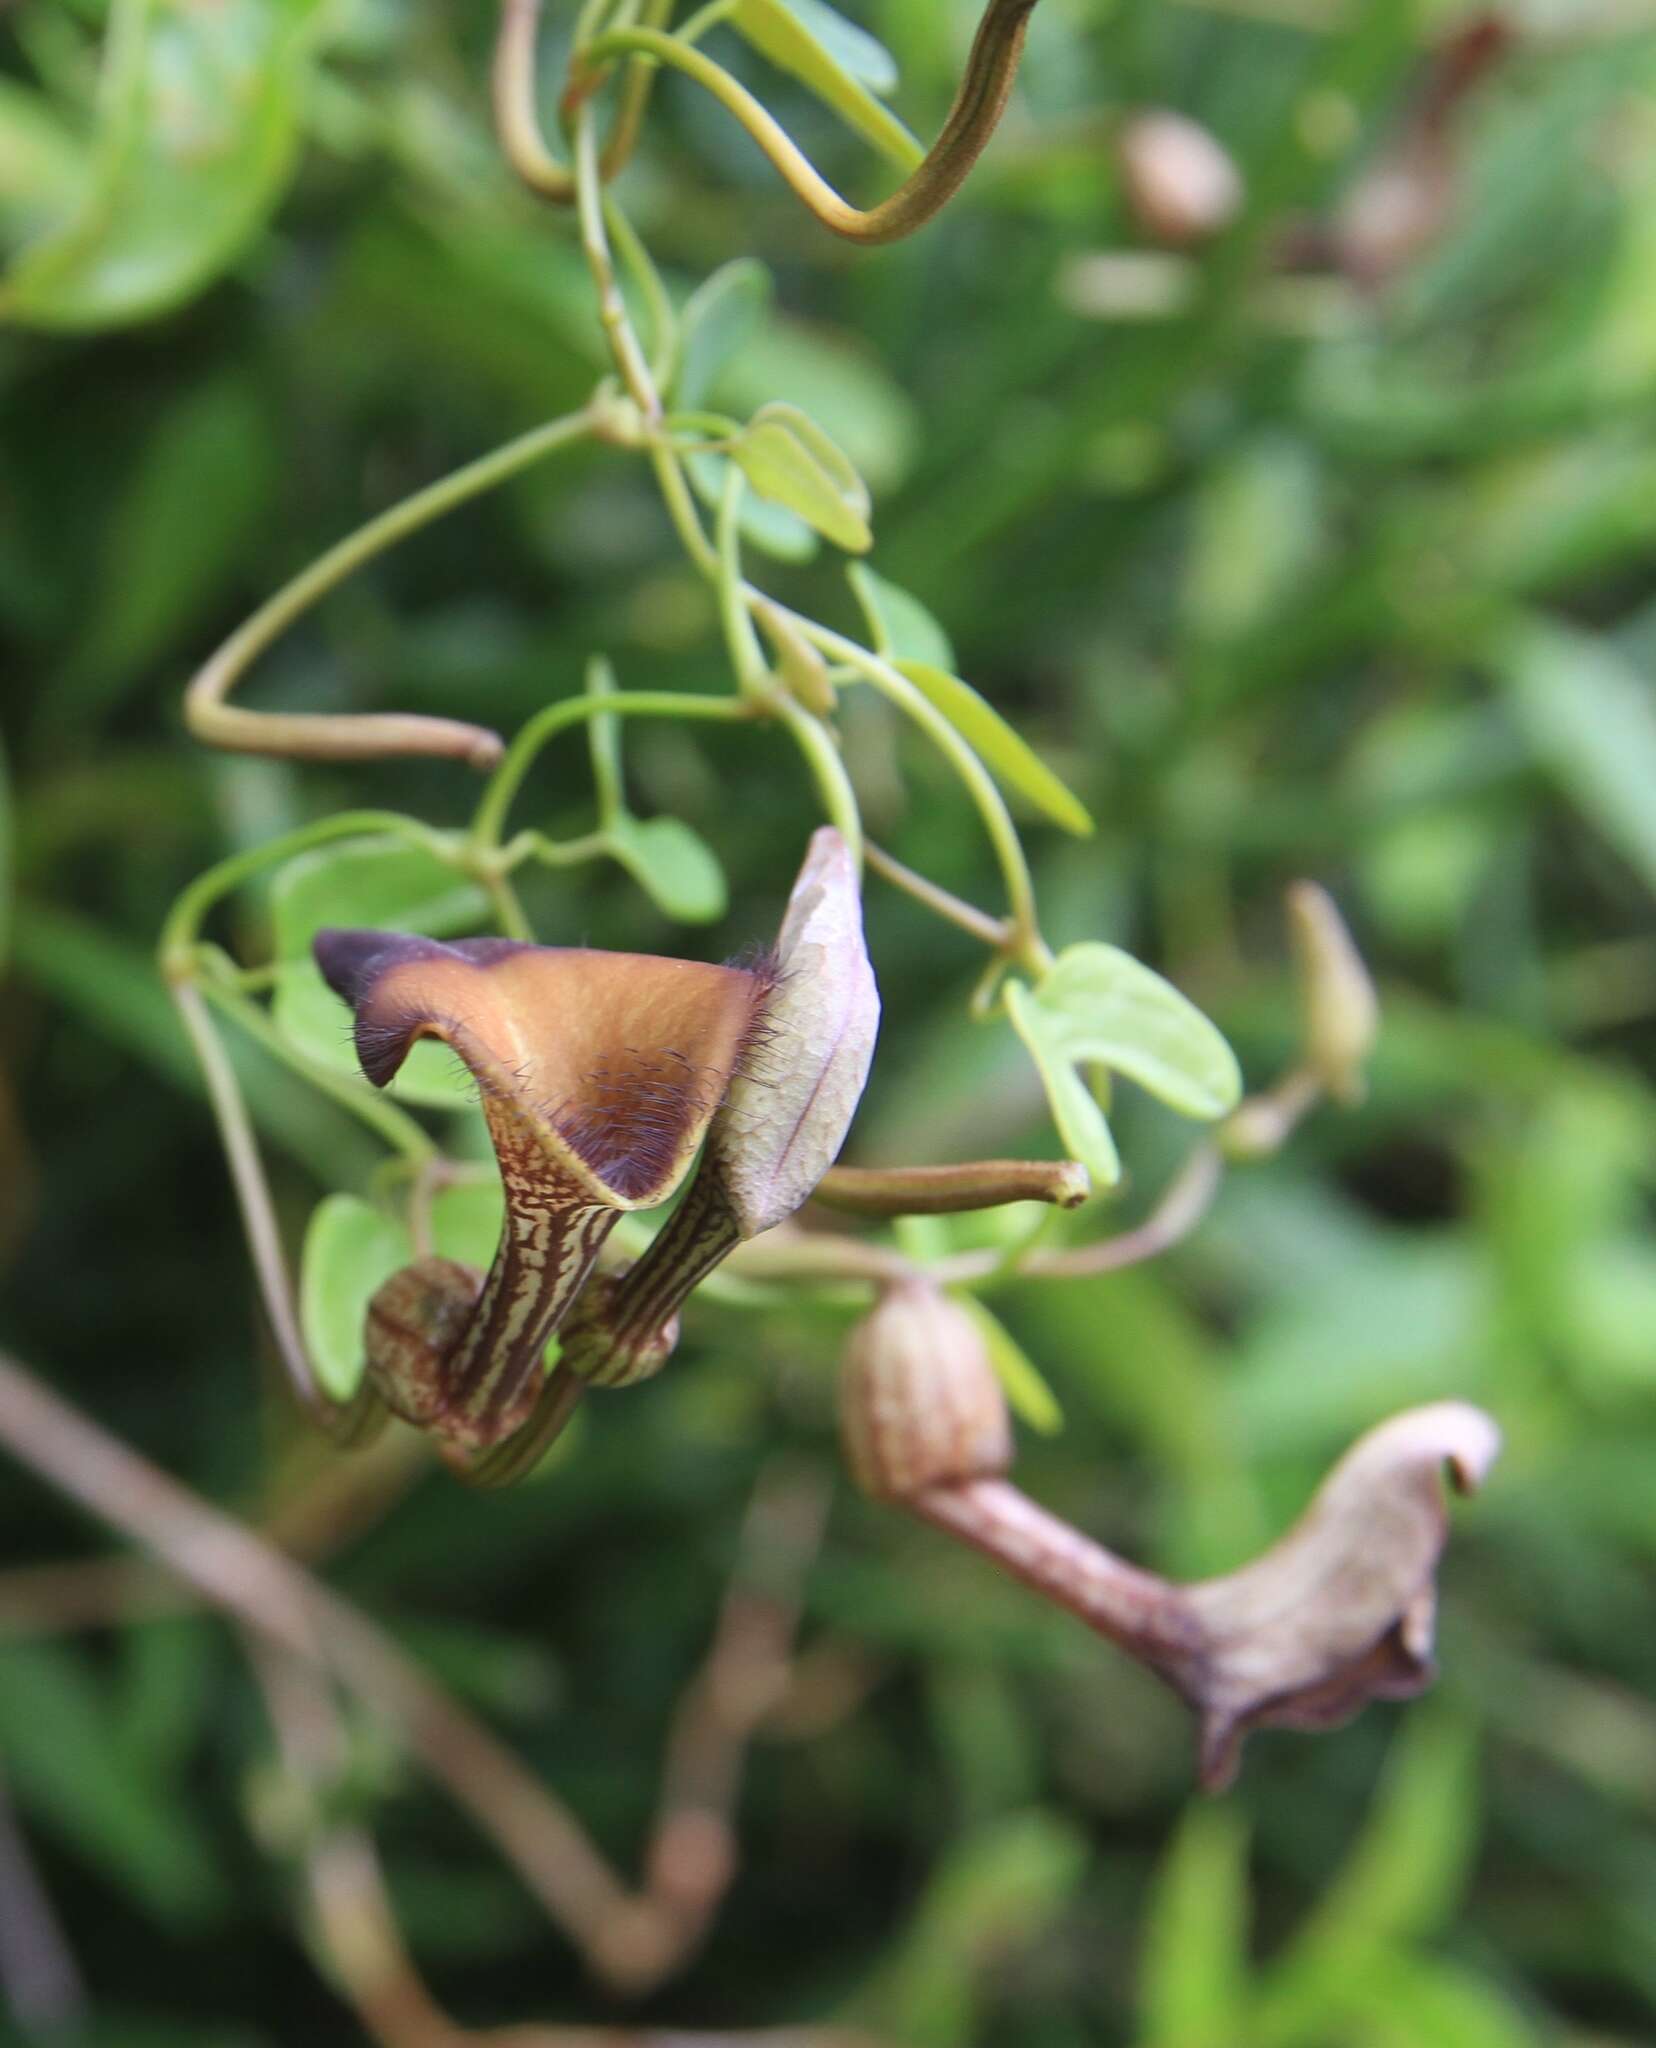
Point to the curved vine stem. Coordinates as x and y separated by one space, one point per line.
264 1240
1023 943
978 106
183 924
518 130
358 736
489 823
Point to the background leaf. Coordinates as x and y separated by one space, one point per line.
1590 719
205 107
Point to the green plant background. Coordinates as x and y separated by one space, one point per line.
1289 579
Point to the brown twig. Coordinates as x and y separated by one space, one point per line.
41 1981
631 1939
692 1853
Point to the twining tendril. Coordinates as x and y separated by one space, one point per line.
517 125
979 104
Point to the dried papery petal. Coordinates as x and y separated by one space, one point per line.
782 1124
598 1074
1340 1611
778 1130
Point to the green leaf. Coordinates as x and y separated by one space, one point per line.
899 626
1097 1003
1590 720
201 124
1079 1121
996 1891
1022 1381
388 885
350 1247
788 458
854 50
466 1220
673 865
1193 1981
1397 1998
722 316
163 562
1102 1004
1004 750
844 386
43 164
789 36
67 1765
1410 1867
772 529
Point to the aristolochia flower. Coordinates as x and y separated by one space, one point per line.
598 1073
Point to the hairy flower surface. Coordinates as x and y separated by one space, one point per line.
598 1074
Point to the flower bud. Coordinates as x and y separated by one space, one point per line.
414 1325
1179 184
920 1404
1340 1009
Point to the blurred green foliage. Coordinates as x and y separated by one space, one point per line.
1286 572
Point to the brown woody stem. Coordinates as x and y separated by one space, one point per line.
978 106
947 1190
1144 1615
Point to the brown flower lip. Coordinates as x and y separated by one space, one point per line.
598 1075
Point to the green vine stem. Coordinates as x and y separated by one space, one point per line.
990 70
517 124
264 1240
357 736
485 851
378 1112
1024 943
184 920
612 309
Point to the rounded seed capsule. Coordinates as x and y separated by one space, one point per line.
920 1404
414 1323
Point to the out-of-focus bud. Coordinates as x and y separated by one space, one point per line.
1340 1009
803 671
920 1404
1258 1130
1179 184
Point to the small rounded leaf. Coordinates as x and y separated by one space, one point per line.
788 459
